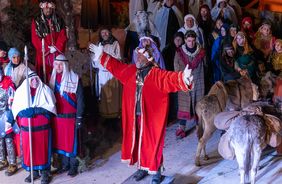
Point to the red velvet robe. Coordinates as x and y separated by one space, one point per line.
59 39
41 142
64 131
154 110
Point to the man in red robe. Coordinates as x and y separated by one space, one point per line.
48 26
68 91
37 104
144 107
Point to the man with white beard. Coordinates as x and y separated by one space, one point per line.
141 26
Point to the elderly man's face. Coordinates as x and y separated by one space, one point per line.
47 11
58 66
145 42
141 60
3 53
105 34
189 22
190 42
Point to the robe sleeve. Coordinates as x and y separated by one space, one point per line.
36 41
116 67
61 41
168 81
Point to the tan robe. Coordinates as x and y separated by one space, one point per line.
109 87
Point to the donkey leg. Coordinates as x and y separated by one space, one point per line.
256 158
206 157
241 159
202 146
198 153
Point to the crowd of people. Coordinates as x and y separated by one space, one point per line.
167 59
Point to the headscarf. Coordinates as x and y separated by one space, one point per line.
195 28
9 68
44 97
154 50
69 82
12 52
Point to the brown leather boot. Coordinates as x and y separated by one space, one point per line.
12 169
3 164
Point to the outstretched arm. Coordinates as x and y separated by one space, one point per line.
168 81
113 65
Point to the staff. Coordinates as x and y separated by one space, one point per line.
28 105
43 60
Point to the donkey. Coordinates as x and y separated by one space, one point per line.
248 138
232 95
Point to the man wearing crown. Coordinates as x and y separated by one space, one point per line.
49 28
144 107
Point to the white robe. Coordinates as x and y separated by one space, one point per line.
161 22
229 12
103 74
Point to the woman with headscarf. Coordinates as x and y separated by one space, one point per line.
276 61
217 52
216 31
15 68
247 27
169 53
227 63
190 24
264 41
246 63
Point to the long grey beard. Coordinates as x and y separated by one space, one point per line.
143 27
